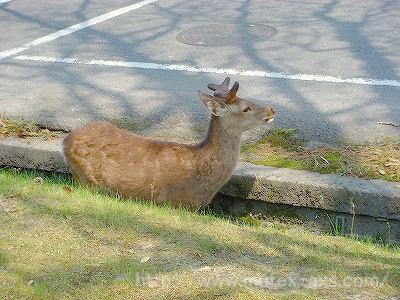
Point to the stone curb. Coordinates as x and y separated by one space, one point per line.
373 198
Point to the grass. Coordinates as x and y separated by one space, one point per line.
281 148
24 129
62 241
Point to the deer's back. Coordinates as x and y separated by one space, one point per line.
104 156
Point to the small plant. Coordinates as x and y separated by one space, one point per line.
353 217
336 226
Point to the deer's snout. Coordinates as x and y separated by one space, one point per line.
270 115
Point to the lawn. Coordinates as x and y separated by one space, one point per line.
62 241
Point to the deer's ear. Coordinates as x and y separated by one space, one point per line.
212 104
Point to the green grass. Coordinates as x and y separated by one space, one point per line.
281 148
24 129
62 241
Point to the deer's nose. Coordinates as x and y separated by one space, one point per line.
270 115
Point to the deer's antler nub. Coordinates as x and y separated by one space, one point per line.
222 90
223 87
228 96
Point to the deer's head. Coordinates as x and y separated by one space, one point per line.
235 112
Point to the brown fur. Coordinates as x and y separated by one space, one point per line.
104 156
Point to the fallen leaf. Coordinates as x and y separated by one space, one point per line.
153 283
38 179
145 259
67 189
205 268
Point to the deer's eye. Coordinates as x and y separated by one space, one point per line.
248 108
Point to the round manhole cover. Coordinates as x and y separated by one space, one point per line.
219 35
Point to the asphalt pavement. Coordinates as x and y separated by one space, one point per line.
330 69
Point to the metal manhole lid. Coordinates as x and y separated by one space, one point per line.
219 35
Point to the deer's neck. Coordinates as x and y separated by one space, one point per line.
215 159
221 141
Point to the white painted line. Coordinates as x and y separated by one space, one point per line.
74 28
155 66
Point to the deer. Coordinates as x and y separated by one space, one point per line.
105 157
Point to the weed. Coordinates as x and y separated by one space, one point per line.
336 226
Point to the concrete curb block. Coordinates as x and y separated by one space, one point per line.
373 198
32 153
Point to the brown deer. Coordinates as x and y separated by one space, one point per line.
103 156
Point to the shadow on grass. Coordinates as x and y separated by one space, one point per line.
123 245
